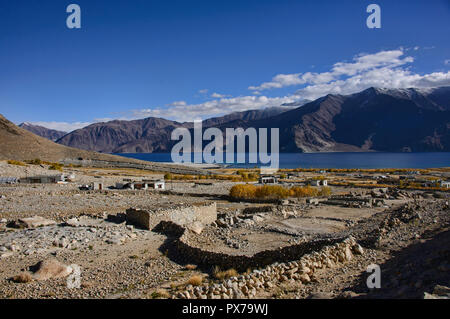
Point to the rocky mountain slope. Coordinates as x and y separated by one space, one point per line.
391 120
374 119
371 120
150 135
19 144
50 134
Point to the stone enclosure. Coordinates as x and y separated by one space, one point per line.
193 217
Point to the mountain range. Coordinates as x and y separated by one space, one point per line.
376 119
16 143
149 135
50 134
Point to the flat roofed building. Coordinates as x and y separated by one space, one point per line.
8 180
445 184
44 179
268 179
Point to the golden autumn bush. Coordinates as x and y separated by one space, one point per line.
243 191
18 163
248 191
271 191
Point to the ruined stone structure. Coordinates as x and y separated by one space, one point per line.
186 248
152 166
300 270
193 217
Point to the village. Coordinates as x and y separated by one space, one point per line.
226 233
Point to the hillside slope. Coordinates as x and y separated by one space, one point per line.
149 135
50 134
19 144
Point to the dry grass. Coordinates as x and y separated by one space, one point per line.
18 163
22 278
218 274
190 267
56 167
195 280
160 294
275 191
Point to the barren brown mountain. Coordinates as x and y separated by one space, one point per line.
50 134
376 119
19 144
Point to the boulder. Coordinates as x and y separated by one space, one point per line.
357 249
304 278
73 222
33 222
51 268
348 254
196 227
321 295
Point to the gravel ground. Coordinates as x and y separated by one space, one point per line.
119 261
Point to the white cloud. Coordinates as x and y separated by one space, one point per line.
62 126
361 63
187 113
382 69
279 81
364 63
219 96
383 77
386 69
177 103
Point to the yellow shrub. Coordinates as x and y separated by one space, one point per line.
325 191
36 161
272 191
13 162
195 280
243 191
306 191
190 267
56 167
276 191
160 294
218 274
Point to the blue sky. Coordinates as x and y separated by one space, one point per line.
188 59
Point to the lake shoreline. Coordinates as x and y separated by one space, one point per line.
338 160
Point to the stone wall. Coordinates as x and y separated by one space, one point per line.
152 166
300 271
205 214
202 257
195 255
193 217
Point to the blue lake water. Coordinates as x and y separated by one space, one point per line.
333 160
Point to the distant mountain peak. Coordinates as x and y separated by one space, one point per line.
391 119
42 131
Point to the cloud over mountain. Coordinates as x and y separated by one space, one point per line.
386 69
382 69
